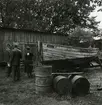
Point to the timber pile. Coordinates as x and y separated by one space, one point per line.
51 52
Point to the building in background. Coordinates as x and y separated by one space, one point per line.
26 37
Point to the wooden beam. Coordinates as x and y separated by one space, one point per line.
70 73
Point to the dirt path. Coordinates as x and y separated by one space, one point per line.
23 92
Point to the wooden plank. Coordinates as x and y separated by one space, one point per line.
70 73
68 53
69 49
55 52
65 56
94 63
65 52
64 47
62 52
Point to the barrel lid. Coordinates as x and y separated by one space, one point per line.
80 85
76 77
61 84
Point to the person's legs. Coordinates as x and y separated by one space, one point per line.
27 70
9 70
14 73
18 72
28 75
30 70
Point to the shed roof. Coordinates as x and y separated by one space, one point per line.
29 30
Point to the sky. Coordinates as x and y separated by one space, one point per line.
99 16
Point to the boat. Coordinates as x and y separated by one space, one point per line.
64 57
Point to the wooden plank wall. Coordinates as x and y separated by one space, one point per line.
1 46
26 37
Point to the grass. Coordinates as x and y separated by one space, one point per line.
23 92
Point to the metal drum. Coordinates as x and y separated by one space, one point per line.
61 85
43 79
79 84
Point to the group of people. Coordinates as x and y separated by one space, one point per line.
13 64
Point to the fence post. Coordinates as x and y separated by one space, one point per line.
39 55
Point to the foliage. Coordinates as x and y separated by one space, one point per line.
79 36
57 16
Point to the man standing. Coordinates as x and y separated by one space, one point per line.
28 62
7 55
16 55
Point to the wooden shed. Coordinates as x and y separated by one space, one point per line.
26 37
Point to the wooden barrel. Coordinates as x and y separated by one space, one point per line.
61 85
79 84
43 79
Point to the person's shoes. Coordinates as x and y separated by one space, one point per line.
14 80
31 76
18 79
8 76
28 75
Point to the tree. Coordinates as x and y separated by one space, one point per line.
80 36
56 16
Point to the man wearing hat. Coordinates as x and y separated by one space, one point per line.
28 62
16 55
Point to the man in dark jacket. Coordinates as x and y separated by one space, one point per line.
7 55
16 55
28 62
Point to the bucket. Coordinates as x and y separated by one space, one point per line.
43 79
79 84
61 85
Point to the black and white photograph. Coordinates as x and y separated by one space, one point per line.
50 52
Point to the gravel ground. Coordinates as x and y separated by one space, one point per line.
23 92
